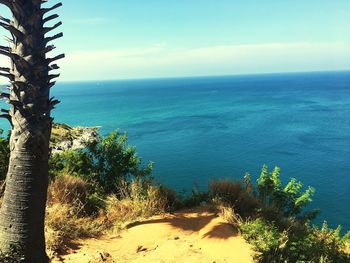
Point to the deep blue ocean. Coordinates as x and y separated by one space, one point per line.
197 129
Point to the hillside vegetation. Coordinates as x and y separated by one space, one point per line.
104 186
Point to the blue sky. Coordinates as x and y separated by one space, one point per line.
113 39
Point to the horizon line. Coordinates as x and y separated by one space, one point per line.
207 76
201 76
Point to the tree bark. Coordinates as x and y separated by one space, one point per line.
23 208
22 213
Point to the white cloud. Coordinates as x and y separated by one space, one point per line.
162 60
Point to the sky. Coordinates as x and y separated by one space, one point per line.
123 39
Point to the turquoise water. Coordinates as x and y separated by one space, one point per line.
196 129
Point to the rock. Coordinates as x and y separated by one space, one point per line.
141 249
64 137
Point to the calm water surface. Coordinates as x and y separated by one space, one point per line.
196 129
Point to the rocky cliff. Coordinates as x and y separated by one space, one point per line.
64 137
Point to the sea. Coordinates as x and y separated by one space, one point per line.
196 129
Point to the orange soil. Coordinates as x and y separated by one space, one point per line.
188 236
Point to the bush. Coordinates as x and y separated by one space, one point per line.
67 189
76 193
272 218
72 212
232 194
227 191
172 200
327 244
108 163
73 162
302 243
102 186
266 239
283 202
283 232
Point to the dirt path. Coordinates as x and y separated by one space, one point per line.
188 236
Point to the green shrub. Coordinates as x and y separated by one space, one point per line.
283 233
325 243
72 162
95 202
282 203
115 162
108 163
299 243
266 239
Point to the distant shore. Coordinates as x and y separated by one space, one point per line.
65 137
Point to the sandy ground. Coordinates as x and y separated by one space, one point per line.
188 236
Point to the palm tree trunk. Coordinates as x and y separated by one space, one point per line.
22 212
23 208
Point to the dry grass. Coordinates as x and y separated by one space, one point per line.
67 189
67 221
232 194
67 197
229 215
65 217
140 201
63 225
